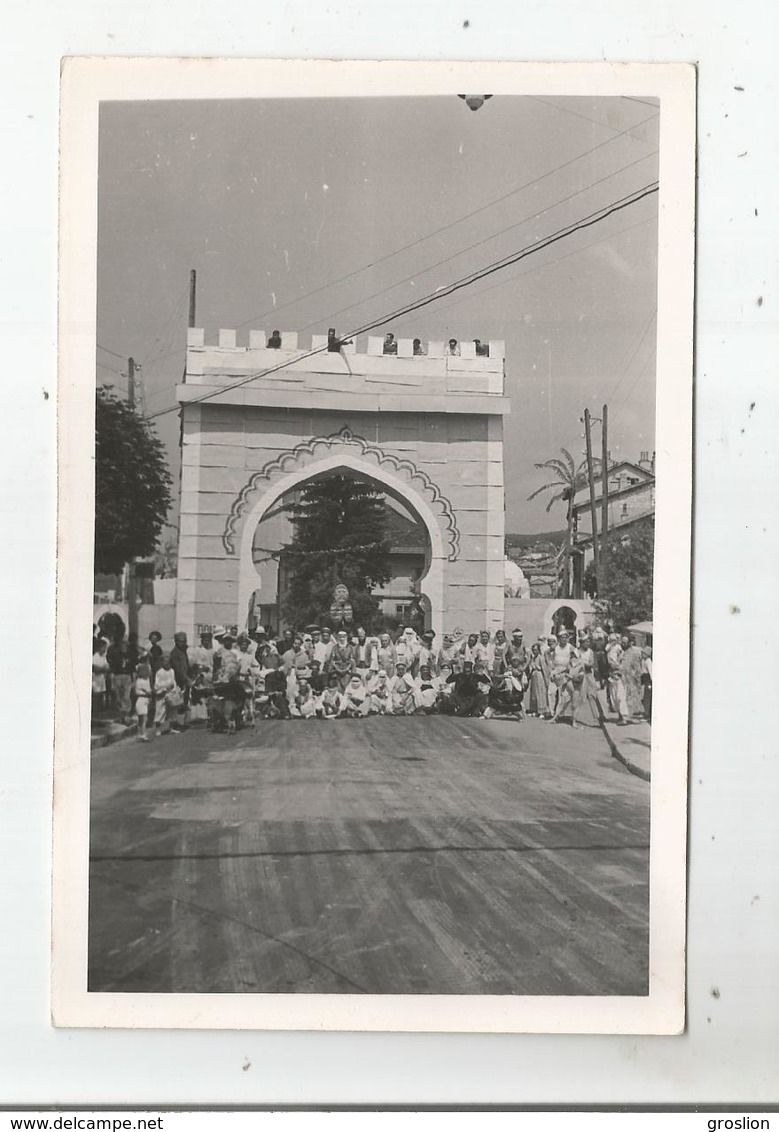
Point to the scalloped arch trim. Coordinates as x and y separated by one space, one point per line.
369 454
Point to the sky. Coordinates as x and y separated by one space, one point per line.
307 213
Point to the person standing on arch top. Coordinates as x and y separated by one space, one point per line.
334 343
453 348
390 345
274 342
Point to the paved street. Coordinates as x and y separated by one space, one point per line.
412 855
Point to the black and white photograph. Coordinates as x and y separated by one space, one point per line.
379 472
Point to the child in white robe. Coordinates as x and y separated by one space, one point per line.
355 701
426 690
402 691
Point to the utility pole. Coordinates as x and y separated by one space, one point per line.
192 297
132 602
591 478
604 524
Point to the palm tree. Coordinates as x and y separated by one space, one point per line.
568 480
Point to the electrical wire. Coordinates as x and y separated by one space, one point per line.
575 113
487 239
424 270
489 269
482 273
548 263
398 251
643 101
164 339
451 224
633 356
110 369
113 353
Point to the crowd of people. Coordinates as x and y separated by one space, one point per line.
232 678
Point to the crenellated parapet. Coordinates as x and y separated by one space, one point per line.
372 373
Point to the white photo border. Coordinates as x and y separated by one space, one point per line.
86 82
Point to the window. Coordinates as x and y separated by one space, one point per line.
624 510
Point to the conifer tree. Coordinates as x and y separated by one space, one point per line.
340 535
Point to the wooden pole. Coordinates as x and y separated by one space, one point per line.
603 576
192 296
132 603
131 382
591 479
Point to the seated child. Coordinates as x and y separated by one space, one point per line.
378 688
305 705
277 706
330 704
426 691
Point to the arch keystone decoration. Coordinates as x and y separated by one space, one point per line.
360 456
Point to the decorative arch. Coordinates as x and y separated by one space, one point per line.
329 454
355 452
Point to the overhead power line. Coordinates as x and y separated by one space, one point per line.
479 243
553 262
515 257
113 353
328 318
473 277
451 224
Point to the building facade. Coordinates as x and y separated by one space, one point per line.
425 427
631 497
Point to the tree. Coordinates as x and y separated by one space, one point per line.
132 484
166 557
340 535
568 480
628 595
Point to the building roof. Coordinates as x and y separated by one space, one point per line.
620 493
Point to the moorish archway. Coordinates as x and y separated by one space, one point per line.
426 429
344 452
